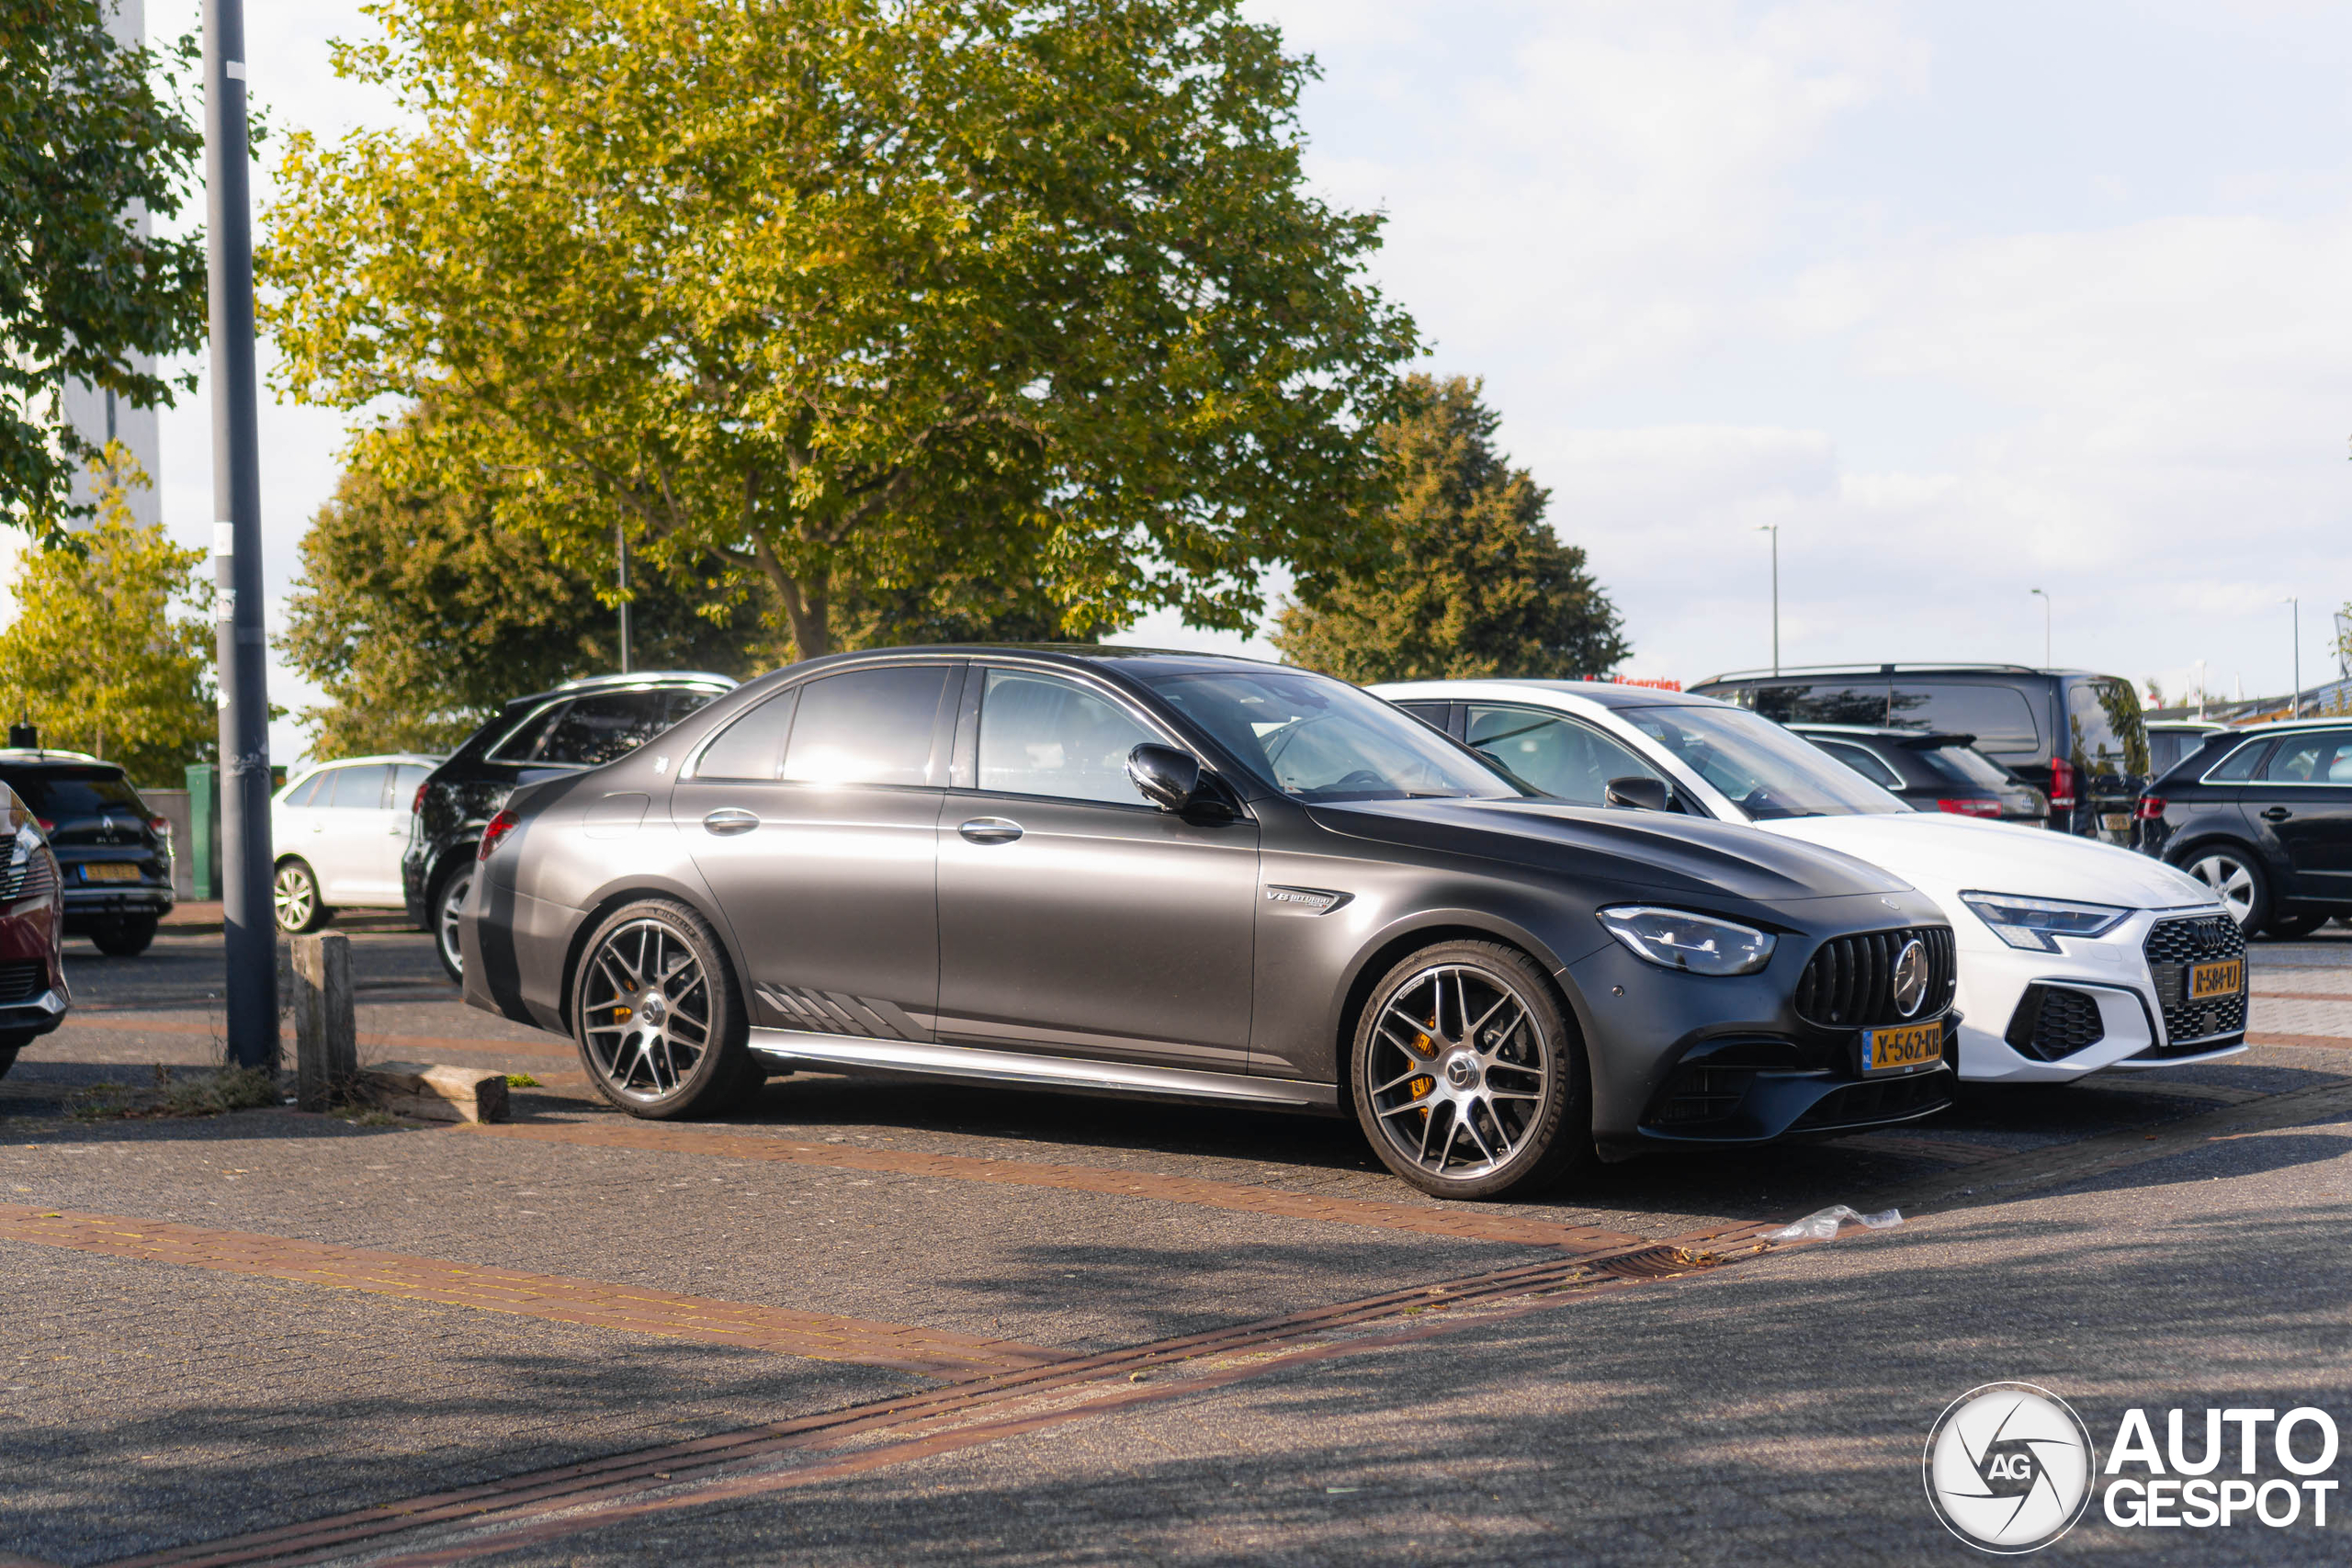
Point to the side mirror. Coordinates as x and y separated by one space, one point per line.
1637 793
1165 776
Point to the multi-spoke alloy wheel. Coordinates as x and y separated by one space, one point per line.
447 905
294 892
2236 883
660 1029
1464 1071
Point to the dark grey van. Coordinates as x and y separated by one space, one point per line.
2075 735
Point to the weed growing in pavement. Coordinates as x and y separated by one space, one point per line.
520 1080
364 1116
213 1092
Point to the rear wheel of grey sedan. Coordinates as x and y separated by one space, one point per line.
1467 1077
660 1022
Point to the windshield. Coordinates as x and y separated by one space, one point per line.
1319 739
1767 771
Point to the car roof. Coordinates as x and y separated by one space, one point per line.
2289 726
1786 670
1913 740
1606 694
636 679
2192 725
1076 655
22 756
428 758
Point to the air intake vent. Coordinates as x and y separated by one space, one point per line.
22 979
2053 1022
1849 983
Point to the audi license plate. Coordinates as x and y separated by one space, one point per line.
1903 1049
109 871
2225 977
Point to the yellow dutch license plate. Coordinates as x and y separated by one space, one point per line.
109 871
2225 977
1903 1048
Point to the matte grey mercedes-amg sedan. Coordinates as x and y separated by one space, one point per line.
1199 878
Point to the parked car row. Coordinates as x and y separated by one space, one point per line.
1548 922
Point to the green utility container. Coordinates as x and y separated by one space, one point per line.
204 829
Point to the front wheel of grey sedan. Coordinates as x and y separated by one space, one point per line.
660 1022
1468 1079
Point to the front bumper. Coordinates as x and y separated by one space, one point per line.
1684 1060
119 898
37 1015
2002 990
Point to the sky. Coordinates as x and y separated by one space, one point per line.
1965 300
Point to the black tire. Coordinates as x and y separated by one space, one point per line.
294 897
12 1041
658 1017
123 936
2237 879
1525 1087
441 906
2291 928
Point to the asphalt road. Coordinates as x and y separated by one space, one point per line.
1183 1336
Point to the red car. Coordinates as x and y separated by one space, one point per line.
33 995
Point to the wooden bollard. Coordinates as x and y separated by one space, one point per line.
327 1037
433 1093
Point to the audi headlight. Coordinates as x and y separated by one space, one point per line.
2038 923
1677 939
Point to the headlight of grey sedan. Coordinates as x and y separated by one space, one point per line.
1677 939
2037 923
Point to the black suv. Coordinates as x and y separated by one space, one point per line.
114 853
579 725
1930 771
2263 816
2074 735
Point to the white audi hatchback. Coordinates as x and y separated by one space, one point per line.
337 831
2074 955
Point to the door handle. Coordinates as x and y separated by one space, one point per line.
731 819
989 830
2277 814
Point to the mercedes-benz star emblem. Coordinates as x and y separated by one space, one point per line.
2009 1468
1910 977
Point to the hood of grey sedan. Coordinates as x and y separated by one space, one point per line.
1669 852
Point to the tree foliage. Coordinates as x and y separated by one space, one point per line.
419 615
1019 300
1474 582
101 655
90 134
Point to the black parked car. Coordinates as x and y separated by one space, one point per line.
2263 816
114 853
2074 735
579 725
1931 771
1200 879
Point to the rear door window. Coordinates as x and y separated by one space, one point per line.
306 793
520 746
2000 717
2240 765
1827 702
357 789
752 747
1566 759
2322 757
873 727
406 779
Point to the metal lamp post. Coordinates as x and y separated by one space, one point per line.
1774 529
2295 619
250 932
2045 625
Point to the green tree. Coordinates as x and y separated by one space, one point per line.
866 298
419 615
96 656
90 134
1473 582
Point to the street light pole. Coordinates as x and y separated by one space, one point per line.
1774 529
2295 613
250 932
2045 625
620 536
